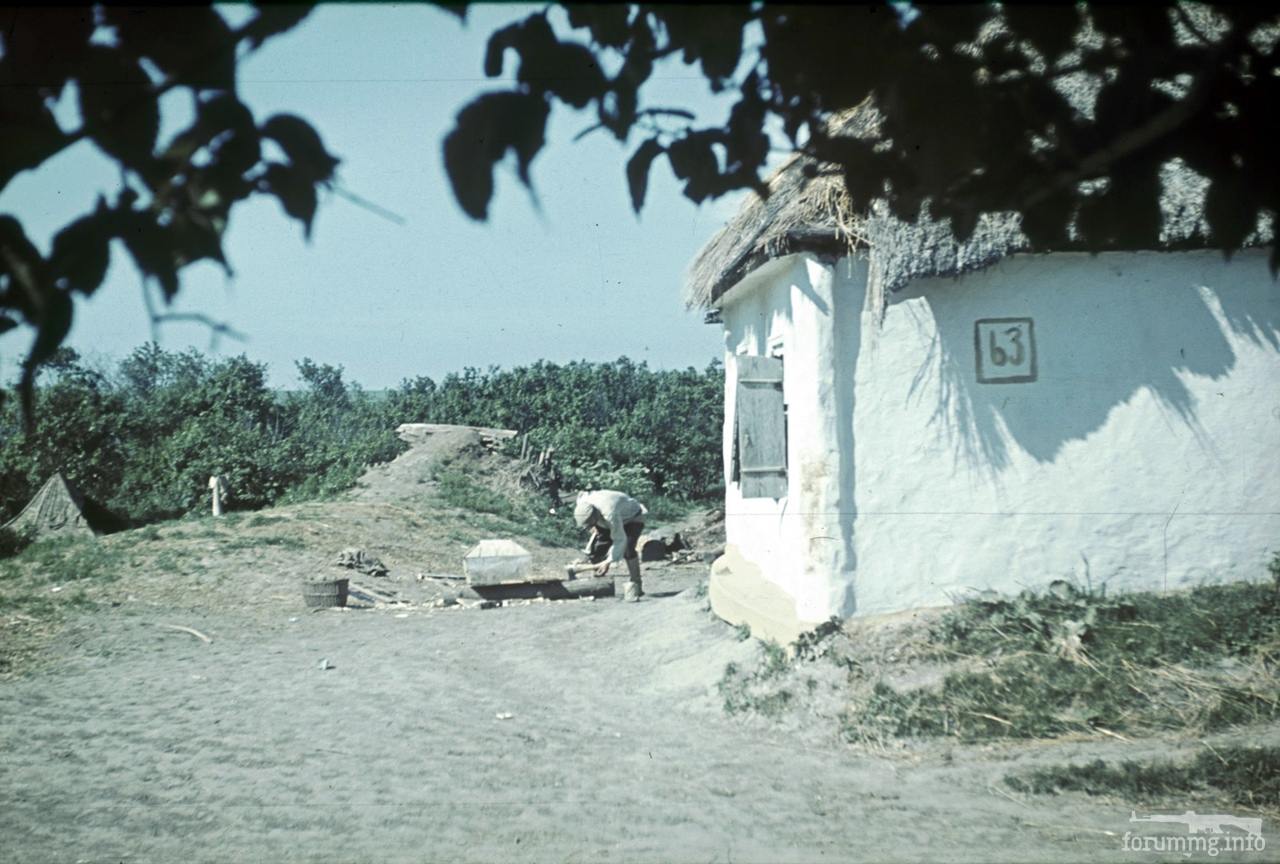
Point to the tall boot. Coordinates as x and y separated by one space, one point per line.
636 589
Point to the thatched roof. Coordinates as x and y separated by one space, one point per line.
809 210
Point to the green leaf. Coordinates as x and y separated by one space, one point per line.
1230 210
52 325
30 134
1050 28
81 253
191 44
574 75
638 170
273 19
216 115
566 69
1045 224
26 269
198 237
483 132
44 43
606 21
457 9
694 161
152 249
302 144
119 107
496 48
295 190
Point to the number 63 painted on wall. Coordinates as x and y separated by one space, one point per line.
1005 350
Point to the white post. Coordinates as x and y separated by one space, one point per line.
216 487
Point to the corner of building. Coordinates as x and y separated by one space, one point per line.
740 594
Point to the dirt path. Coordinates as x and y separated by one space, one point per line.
148 745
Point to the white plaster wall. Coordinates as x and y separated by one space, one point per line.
803 541
1142 457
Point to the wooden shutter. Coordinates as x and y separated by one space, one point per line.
761 421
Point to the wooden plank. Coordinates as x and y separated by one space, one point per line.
752 369
562 590
761 422
428 428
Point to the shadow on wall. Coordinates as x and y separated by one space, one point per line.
1102 333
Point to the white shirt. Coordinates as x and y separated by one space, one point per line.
613 510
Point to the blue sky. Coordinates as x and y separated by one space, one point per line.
575 275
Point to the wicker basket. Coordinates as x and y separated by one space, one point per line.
325 594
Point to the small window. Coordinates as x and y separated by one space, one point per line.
760 435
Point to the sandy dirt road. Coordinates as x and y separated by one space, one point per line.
147 745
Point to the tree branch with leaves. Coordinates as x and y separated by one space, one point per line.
983 108
1063 113
175 198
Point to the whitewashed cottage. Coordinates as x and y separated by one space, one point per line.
909 418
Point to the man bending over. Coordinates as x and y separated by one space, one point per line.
616 522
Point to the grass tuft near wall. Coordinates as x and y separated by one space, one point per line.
1065 661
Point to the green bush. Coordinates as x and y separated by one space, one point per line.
613 425
12 542
143 437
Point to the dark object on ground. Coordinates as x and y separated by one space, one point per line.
325 594
652 548
360 561
597 587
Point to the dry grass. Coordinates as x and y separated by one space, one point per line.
1037 666
1246 776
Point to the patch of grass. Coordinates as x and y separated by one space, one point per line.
458 535
520 515
459 490
1208 622
63 560
775 659
1026 696
751 691
742 694
1130 780
1249 776
664 509
259 520
1042 665
40 585
285 541
552 532
817 642
744 631
44 605
12 542
1068 660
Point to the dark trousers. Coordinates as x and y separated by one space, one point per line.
602 542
